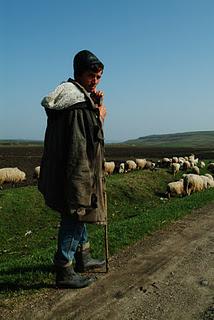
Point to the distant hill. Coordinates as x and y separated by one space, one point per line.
198 139
22 142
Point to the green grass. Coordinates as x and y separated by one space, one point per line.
197 139
28 229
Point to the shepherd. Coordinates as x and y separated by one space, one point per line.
72 178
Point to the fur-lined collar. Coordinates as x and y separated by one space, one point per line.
65 95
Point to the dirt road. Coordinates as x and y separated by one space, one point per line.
167 276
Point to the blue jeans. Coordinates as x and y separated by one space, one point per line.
71 234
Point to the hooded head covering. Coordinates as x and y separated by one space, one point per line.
84 61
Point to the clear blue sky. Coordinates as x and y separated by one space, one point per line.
158 56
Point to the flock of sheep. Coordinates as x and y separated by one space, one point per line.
129 165
189 183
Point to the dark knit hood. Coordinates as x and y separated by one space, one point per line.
84 61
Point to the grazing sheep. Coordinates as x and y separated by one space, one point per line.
196 161
186 165
210 167
165 162
181 160
150 165
109 167
209 176
130 165
141 163
195 170
202 164
36 172
192 163
11 175
192 157
122 167
119 167
208 182
193 183
175 188
174 159
175 168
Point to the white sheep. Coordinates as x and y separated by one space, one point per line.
11 175
130 165
141 163
181 160
195 162
192 163
150 165
192 157
122 167
195 170
209 176
175 168
202 164
36 172
186 165
175 188
109 167
208 182
165 162
175 160
193 183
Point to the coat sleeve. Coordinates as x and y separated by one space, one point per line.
79 175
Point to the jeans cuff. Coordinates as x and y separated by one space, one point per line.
83 246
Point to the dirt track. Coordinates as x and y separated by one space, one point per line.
167 276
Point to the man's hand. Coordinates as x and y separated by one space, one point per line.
98 97
102 110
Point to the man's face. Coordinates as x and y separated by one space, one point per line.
89 80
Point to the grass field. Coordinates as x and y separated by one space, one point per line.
197 139
28 229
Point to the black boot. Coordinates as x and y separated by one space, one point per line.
84 261
66 277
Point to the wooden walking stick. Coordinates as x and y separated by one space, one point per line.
106 247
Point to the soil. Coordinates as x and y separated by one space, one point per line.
166 276
169 275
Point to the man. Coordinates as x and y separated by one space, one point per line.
71 175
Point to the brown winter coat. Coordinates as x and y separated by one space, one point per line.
72 166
